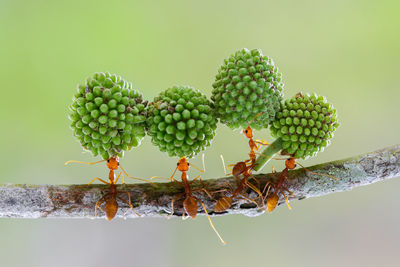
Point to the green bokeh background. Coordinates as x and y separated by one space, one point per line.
348 51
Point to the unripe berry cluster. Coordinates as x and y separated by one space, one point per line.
181 121
107 115
306 124
247 84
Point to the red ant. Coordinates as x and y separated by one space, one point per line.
248 133
190 203
273 199
111 206
245 168
240 168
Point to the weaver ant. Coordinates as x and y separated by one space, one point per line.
273 199
111 206
190 203
243 167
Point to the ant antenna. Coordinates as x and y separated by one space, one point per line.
315 173
223 163
87 163
140 179
197 168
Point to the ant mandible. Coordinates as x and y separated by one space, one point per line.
111 206
190 202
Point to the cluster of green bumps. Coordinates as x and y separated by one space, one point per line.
181 121
247 84
108 115
305 124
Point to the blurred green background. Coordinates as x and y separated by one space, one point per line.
348 51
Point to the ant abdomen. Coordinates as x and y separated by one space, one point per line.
111 208
223 204
190 206
239 168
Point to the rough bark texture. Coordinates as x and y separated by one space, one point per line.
78 201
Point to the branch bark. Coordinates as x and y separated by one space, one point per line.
78 201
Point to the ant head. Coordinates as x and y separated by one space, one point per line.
290 163
111 208
113 163
183 164
248 132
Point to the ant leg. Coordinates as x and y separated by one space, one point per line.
222 190
204 190
140 179
98 204
269 185
287 190
227 166
255 189
129 204
195 178
122 178
286 199
255 179
248 199
173 174
87 163
183 215
165 178
172 205
230 187
97 178
261 143
211 224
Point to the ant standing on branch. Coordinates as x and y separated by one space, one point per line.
244 168
110 198
190 203
273 198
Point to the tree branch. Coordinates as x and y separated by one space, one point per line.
78 201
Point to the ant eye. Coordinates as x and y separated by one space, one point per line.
188 164
108 161
118 163
177 164
246 131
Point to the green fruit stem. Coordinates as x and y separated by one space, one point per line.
267 154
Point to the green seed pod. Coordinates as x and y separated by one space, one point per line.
247 84
103 115
306 123
181 121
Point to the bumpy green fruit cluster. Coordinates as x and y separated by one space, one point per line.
306 124
247 84
108 115
181 121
